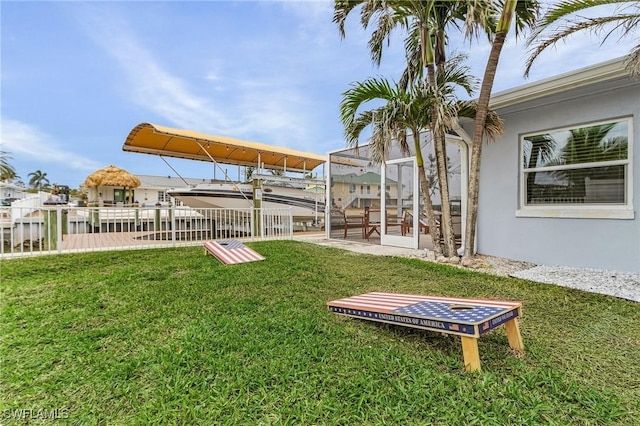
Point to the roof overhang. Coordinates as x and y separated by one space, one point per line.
604 71
148 138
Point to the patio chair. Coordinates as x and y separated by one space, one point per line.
372 221
340 218
407 223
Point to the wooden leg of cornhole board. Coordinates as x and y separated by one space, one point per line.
470 353
513 335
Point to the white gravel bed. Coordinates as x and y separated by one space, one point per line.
619 284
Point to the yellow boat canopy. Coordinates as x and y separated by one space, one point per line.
149 138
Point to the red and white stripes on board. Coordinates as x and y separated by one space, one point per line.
231 252
387 302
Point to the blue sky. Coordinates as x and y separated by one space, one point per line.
76 77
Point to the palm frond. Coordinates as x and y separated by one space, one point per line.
632 62
527 13
562 22
493 126
456 74
341 10
564 8
387 21
477 16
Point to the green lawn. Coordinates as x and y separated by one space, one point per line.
171 336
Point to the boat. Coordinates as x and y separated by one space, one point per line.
305 197
306 203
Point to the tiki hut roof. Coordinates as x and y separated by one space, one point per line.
111 176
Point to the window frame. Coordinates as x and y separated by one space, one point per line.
590 211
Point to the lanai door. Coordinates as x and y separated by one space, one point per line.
399 198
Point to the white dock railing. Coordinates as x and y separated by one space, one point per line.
61 229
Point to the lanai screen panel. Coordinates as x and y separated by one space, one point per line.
356 178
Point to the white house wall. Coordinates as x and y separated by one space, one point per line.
590 243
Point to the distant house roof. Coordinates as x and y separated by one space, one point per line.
366 178
168 181
8 185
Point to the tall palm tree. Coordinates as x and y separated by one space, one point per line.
38 179
427 22
562 20
7 172
524 12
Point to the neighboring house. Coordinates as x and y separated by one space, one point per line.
153 189
353 190
10 192
561 186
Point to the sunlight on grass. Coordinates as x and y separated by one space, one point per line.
173 336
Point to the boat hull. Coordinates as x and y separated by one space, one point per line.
303 205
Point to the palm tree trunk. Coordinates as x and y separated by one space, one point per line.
426 194
446 224
481 116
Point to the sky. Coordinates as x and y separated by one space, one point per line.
77 77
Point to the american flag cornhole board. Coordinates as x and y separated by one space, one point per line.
231 252
467 318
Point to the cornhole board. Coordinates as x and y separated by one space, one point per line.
467 318
231 252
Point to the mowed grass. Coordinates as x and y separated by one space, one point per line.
171 336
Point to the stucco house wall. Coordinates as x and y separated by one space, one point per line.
602 243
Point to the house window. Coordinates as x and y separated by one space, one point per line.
163 196
581 171
352 188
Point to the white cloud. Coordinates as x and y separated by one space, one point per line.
263 106
28 141
151 86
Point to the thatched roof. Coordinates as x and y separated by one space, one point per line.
111 176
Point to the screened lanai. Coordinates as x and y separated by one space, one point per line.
381 203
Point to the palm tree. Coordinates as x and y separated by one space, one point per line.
38 179
390 121
248 173
7 172
524 12
409 110
563 19
426 23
